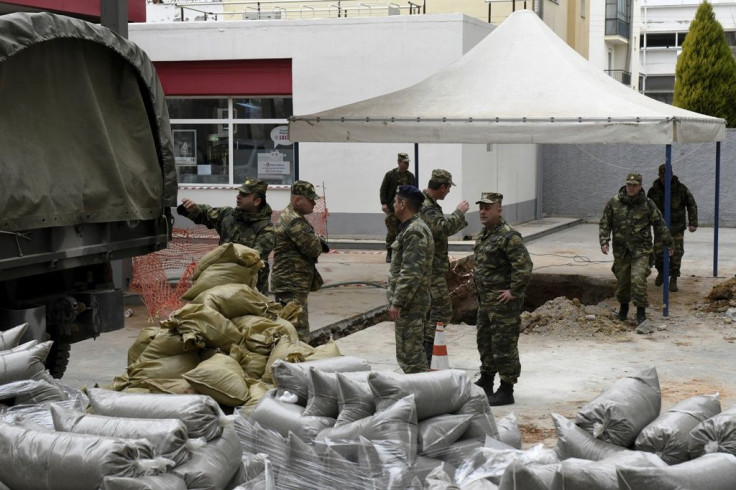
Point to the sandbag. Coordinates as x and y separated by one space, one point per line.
394 430
24 346
257 389
440 431
325 351
261 333
166 481
483 424
620 413
295 377
322 389
30 391
669 435
282 417
11 337
169 386
574 442
508 431
234 300
354 399
164 343
519 476
234 253
252 363
220 377
490 463
169 437
201 414
40 460
286 350
214 464
221 274
145 336
24 364
200 326
713 472
171 367
582 474
435 392
457 453
716 434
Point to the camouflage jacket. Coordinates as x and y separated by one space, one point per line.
681 200
411 266
253 230
295 255
501 262
391 181
441 227
630 220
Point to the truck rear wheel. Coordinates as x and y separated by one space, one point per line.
58 358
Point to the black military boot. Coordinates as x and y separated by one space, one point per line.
388 256
428 348
660 278
623 312
673 284
486 382
503 396
641 314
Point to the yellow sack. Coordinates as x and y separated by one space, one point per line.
219 274
252 363
234 300
325 351
287 351
170 386
229 253
261 333
221 378
200 326
166 343
171 367
145 336
290 312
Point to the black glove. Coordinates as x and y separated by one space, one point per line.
181 210
325 247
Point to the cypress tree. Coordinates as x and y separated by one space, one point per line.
705 77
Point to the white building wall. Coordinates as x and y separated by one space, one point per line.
340 61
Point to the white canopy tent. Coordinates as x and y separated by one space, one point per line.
521 84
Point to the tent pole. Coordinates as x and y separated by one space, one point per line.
716 210
296 160
416 164
665 252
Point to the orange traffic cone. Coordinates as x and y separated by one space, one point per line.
439 351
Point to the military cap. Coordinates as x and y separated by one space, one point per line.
633 178
442 176
410 192
662 169
403 157
304 188
252 185
490 198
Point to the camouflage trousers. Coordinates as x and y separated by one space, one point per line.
498 341
392 228
677 252
409 332
440 309
302 322
631 279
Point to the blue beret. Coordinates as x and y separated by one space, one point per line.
410 192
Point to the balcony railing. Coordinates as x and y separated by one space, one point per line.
620 76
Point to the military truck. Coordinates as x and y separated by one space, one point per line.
87 178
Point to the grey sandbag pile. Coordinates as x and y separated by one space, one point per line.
716 434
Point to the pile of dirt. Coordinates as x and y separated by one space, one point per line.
567 318
722 296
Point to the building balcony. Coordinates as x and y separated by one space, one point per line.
620 76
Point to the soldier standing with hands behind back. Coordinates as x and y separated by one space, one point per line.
391 181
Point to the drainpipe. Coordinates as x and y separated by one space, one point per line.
114 16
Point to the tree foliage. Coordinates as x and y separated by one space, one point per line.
705 77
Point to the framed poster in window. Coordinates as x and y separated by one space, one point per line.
185 146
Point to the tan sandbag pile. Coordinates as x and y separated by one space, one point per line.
222 344
230 263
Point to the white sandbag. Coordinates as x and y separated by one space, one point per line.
252 467
24 364
257 440
435 392
322 399
509 431
489 463
574 442
214 464
582 474
519 476
394 429
283 418
441 431
30 391
201 414
11 337
483 424
336 464
716 434
669 435
295 377
169 437
354 399
38 414
303 467
620 413
20 347
166 481
40 460
712 472
457 453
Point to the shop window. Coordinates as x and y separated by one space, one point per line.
223 141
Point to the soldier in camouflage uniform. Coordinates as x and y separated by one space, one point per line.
408 283
681 200
391 181
441 227
630 217
502 272
249 223
295 256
